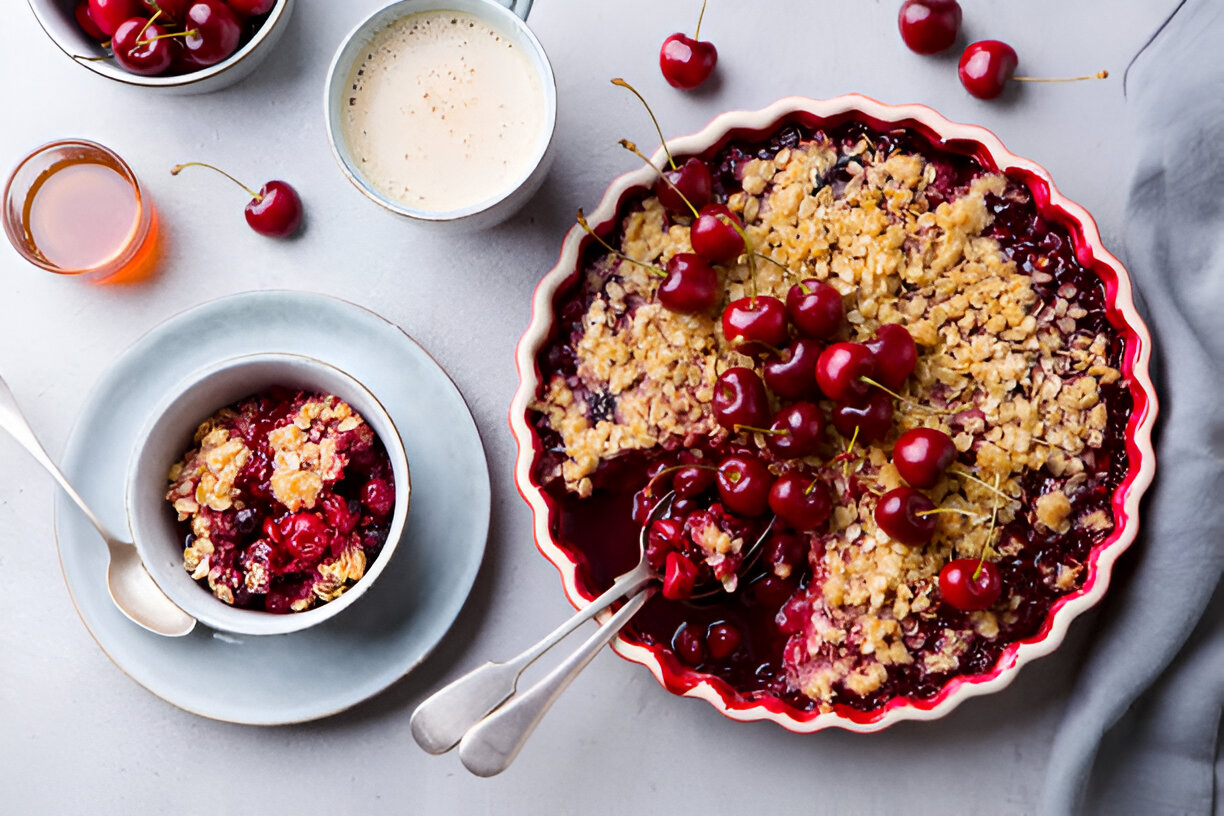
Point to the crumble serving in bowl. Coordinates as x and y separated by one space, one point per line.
1030 358
277 510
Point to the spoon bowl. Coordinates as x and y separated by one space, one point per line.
130 585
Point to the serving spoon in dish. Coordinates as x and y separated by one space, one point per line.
459 713
129 583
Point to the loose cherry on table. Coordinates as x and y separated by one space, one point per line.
970 585
740 399
815 308
755 324
276 210
686 61
108 15
798 429
141 46
792 373
866 421
744 484
715 234
921 456
929 26
906 516
840 371
895 354
987 65
691 285
800 501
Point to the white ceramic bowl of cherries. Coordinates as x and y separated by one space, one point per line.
183 46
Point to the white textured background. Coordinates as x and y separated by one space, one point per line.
77 736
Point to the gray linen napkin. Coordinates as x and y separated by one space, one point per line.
1140 732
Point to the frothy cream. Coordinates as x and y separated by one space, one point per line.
443 112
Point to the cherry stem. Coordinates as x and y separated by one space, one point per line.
582 222
964 474
994 515
748 248
148 23
174 171
737 428
740 341
954 510
700 17
778 264
849 448
192 33
906 400
633 148
1097 75
622 83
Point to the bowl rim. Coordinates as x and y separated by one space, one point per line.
1119 300
203 605
107 69
383 17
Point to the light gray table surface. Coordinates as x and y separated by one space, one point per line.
77 736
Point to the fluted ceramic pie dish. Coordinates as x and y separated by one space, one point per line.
1074 463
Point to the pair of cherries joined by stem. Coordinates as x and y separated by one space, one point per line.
986 66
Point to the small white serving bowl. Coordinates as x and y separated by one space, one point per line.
168 435
56 18
511 24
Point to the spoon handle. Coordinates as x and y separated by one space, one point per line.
14 421
491 745
441 721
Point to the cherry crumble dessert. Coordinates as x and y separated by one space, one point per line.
898 361
285 499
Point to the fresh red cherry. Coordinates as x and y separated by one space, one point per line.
211 33
174 10
792 374
840 371
895 353
743 485
692 481
691 285
108 15
922 455
276 210
740 399
86 22
722 639
755 324
815 308
662 537
802 425
679 576
250 8
929 26
985 67
905 515
873 418
140 47
801 501
686 61
690 184
960 588
714 235
689 645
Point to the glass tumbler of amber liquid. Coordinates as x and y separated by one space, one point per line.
73 207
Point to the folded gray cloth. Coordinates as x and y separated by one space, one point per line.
1140 732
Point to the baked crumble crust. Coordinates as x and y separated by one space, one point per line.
1013 378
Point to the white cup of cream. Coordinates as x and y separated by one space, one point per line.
444 114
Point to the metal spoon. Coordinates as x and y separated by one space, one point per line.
131 587
459 714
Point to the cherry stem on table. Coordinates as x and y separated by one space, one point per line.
1097 75
174 171
700 17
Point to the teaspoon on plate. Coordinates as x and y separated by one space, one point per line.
129 583
459 713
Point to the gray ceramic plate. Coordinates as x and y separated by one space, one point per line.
320 671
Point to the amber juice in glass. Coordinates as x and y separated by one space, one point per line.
73 207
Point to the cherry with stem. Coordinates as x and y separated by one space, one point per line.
275 210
